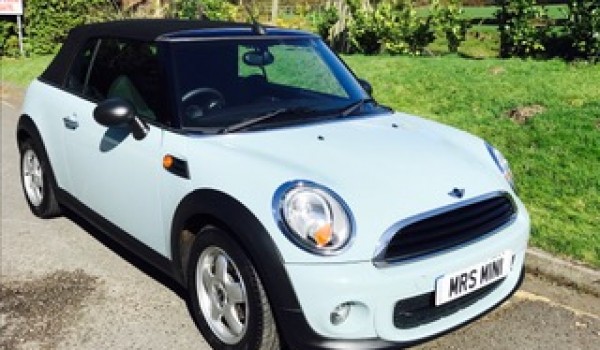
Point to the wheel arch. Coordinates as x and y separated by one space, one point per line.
26 128
212 207
28 133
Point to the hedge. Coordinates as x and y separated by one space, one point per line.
47 23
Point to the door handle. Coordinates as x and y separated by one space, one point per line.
71 122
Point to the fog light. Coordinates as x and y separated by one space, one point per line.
340 313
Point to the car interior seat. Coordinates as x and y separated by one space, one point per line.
124 88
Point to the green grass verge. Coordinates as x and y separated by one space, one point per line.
20 72
555 155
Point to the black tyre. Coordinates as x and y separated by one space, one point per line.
36 181
227 298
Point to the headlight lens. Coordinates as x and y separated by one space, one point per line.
313 217
502 164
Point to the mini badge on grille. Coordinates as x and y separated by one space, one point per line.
457 192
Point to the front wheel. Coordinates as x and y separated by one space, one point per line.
35 179
227 298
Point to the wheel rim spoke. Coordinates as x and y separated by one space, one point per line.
215 312
232 320
207 280
30 161
221 268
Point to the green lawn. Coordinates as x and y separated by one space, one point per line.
555 155
481 42
554 11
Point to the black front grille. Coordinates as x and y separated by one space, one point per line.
420 310
449 228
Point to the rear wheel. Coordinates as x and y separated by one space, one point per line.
227 298
35 179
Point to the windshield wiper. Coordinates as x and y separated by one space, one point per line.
351 108
264 117
354 106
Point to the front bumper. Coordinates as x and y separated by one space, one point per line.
299 335
374 292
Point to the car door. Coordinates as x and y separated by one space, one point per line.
110 171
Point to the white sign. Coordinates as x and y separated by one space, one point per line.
11 7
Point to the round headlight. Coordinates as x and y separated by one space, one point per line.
313 217
502 164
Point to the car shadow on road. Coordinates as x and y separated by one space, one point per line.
128 256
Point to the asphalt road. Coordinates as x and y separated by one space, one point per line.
64 285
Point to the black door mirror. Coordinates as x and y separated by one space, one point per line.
366 85
120 112
114 112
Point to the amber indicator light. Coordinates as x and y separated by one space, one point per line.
323 235
168 161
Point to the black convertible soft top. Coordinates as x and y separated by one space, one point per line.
140 29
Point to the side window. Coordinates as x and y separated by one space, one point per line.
79 72
130 70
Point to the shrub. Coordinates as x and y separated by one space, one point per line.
393 27
9 41
405 32
364 31
324 20
448 19
300 18
294 22
522 28
583 28
210 9
47 22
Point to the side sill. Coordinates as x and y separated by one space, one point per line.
121 237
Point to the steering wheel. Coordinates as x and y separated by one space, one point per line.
200 101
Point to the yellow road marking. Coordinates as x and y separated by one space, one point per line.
534 297
8 104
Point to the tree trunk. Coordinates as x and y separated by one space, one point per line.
274 11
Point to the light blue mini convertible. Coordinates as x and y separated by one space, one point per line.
253 167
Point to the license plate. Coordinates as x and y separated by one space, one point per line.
460 283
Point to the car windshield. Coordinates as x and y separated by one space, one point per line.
234 84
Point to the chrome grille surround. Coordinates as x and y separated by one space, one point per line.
382 256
